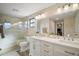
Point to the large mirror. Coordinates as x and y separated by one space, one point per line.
66 23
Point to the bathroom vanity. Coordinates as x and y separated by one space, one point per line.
46 46
62 24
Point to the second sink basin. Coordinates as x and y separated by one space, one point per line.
69 42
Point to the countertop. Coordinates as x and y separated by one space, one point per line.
57 41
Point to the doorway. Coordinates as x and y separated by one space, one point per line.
59 27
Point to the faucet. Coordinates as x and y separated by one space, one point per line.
64 37
69 38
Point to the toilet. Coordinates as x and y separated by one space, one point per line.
24 46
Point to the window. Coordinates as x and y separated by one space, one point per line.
32 22
26 25
7 25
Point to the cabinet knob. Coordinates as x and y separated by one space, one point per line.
46 45
46 51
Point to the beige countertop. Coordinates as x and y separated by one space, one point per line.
72 44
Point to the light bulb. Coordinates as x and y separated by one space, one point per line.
75 6
43 15
66 7
15 24
19 22
39 16
59 10
36 17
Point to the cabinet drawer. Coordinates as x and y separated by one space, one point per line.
46 53
34 47
66 50
46 49
46 45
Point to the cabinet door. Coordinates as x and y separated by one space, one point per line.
35 47
59 53
46 48
65 51
31 44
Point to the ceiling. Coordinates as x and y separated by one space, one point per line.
64 15
22 9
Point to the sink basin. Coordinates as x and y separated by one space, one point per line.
69 42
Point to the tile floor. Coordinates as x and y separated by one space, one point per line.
11 53
14 53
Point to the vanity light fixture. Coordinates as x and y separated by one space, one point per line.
43 15
40 16
36 17
75 6
59 10
19 22
15 24
66 7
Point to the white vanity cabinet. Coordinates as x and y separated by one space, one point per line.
65 51
34 47
39 47
46 48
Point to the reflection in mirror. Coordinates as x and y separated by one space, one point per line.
7 25
70 23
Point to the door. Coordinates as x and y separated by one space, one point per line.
59 27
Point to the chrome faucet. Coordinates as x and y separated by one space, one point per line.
70 38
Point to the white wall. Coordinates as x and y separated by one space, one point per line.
77 22
51 26
44 24
69 25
